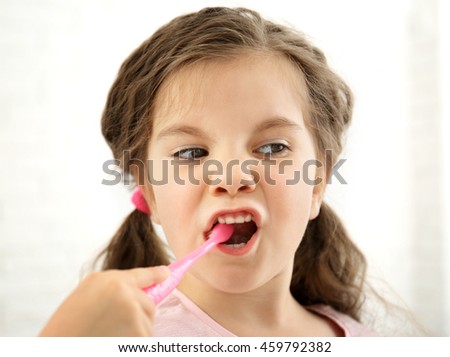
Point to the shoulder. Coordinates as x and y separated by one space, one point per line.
349 326
178 316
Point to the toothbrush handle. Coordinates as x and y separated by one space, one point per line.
158 292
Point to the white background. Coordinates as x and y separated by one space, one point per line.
58 60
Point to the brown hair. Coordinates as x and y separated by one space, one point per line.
328 267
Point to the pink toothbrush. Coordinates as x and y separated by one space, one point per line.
158 292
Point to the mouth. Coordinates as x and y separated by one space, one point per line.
244 228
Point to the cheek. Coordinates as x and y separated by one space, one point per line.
176 202
173 184
291 197
293 202
173 217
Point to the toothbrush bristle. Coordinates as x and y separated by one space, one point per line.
222 232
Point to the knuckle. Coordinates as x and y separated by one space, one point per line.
117 287
93 279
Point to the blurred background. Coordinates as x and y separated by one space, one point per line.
58 60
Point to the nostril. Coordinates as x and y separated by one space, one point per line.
233 188
246 188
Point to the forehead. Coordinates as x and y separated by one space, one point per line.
193 86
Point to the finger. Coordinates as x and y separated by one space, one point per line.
144 277
148 311
146 304
147 325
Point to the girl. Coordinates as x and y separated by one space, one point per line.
226 117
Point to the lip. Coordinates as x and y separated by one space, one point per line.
255 216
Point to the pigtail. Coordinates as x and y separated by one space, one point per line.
135 244
328 267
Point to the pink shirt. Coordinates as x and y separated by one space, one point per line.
178 316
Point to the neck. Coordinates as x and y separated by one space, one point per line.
270 307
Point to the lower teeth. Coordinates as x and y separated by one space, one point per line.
238 245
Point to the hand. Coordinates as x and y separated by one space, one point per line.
108 303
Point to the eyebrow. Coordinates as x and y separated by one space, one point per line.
183 129
277 122
180 129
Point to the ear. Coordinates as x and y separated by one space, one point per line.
318 193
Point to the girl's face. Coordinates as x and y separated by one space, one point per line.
229 143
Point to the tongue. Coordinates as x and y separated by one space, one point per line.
242 233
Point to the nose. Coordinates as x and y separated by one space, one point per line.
232 179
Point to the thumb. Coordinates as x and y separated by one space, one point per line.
145 277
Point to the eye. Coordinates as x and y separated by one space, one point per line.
272 149
190 154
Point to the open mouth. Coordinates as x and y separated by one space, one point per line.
242 233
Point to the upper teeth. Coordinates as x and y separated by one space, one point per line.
236 218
